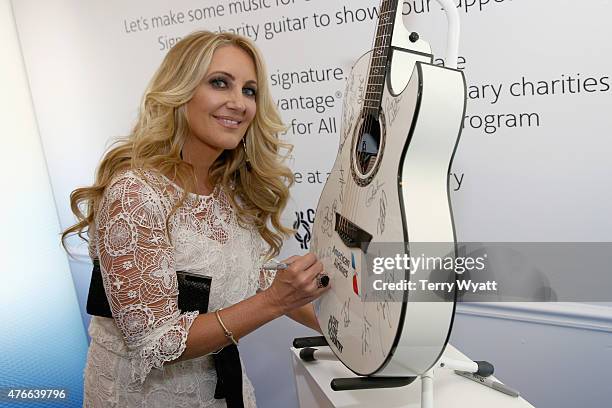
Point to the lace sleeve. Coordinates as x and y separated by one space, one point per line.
137 264
265 278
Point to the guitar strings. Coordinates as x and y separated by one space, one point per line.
370 108
354 152
351 190
370 111
362 123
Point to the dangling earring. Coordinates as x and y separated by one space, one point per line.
246 156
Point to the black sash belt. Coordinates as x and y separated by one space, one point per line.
194 291
229 376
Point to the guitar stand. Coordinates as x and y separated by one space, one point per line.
307 353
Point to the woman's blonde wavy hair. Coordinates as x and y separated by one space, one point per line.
259 194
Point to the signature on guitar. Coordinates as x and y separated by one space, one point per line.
345 313
382 214
372 192
365 336
361 91
327 227
342 182
392 108
383 306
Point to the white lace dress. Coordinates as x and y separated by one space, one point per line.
128 363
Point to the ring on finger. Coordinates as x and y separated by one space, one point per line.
322 280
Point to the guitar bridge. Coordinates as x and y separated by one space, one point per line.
351 234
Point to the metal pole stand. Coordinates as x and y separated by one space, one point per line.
481 368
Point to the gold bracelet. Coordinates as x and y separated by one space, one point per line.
227 333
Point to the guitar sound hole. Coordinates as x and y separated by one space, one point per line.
367 147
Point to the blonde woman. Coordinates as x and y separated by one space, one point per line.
199 185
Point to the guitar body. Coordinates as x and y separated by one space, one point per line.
387 194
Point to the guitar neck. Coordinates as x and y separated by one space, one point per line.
380 55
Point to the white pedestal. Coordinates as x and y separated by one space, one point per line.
450 390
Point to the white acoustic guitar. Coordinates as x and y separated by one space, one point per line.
400 127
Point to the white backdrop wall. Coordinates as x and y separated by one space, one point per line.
532 165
